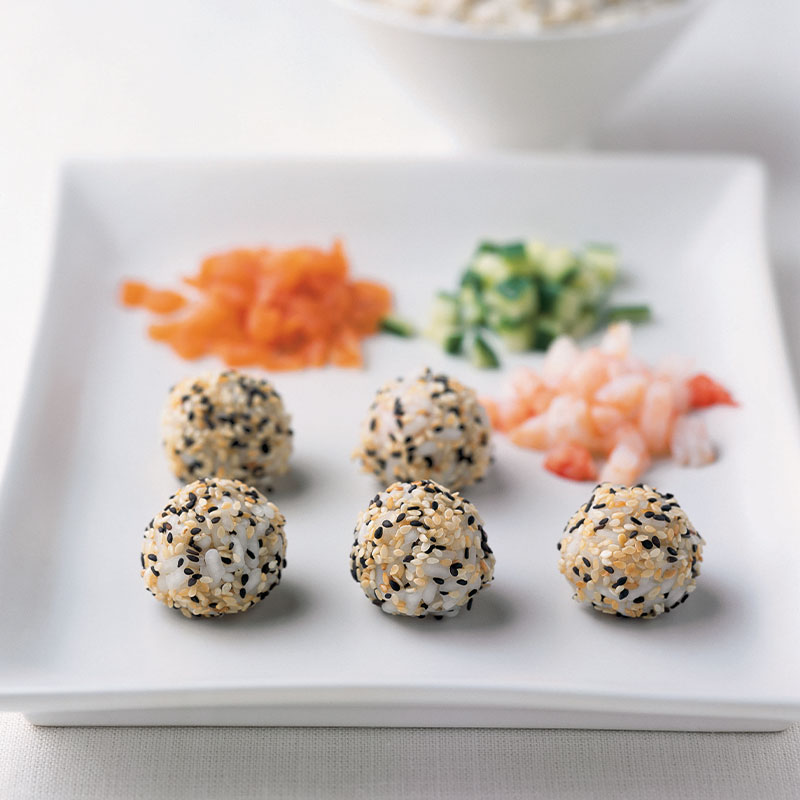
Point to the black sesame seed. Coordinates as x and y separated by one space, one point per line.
152 557
438 581
587 562
623 594
647 544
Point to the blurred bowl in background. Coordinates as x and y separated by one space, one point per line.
548 89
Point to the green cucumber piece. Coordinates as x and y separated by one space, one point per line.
629 314
547 329
445 309
536 252
568 306
515 297
512 252
397 327
473 309
444 319
481 355
558 264
585 324
517 335
453 343
603 261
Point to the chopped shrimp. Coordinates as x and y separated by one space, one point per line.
605 402
571 461
561 356
690 443
657 416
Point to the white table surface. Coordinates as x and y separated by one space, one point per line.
211 77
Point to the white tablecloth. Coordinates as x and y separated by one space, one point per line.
355 763
200 77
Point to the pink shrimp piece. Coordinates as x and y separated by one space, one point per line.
624 393
677 370
616 340
690 443
588 373
606 420
628 460
561 356
568 421
657 416
529 388
534 434
510 413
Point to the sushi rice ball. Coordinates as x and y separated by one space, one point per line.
421 550
226 424
426 426
217 547
631 551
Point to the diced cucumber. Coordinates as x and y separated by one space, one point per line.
491 267
445 309
548 294
514 297
512 252
558 264
592 287
584 325
629 314
517 335
473 309
603 261
445 318
536 252
397 326
547 329
453 343
473 279
568 306
481 355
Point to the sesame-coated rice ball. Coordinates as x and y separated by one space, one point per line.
631 552
217 547
421 550
426 426
227 424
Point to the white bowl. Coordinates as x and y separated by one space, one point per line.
521 89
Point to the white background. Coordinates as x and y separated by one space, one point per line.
203 77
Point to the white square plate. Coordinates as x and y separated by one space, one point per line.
84 643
